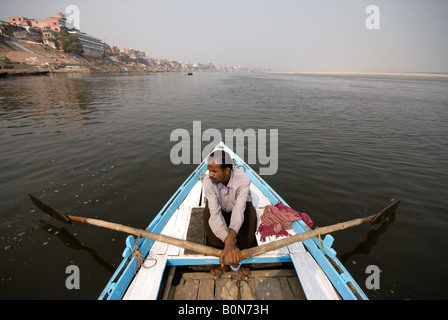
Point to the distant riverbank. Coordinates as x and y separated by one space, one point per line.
386 74
40 55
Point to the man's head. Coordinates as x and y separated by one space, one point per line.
220 165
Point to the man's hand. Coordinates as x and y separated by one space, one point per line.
230 250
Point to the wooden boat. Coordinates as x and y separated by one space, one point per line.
153 270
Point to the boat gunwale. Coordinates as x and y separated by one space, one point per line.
121 279
343 282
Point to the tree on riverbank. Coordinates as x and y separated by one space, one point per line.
69 42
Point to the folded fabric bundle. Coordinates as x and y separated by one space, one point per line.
272 230
276 219
284 215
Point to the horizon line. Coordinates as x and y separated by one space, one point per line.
396 74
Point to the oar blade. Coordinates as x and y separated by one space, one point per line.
48 210
386 212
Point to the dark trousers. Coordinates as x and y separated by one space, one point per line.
246 235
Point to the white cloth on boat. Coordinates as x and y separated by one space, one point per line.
230 198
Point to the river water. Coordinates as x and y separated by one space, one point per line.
99 146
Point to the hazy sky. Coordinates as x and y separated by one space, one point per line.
283 35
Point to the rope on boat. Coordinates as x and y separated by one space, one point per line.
320 241
236 269
139 256
236 165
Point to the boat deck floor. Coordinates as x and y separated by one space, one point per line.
273 284
197 283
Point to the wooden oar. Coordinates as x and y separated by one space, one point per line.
374 219
210 251
196 247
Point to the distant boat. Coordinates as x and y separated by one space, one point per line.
190 73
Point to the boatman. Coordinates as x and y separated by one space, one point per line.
230 219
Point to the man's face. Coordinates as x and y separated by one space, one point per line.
217 174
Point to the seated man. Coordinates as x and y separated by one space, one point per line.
230 219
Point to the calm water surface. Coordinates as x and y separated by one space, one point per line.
99 146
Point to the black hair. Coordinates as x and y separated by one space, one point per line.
221 157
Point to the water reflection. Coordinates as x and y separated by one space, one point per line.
355 141
371 240
46 105
71 242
